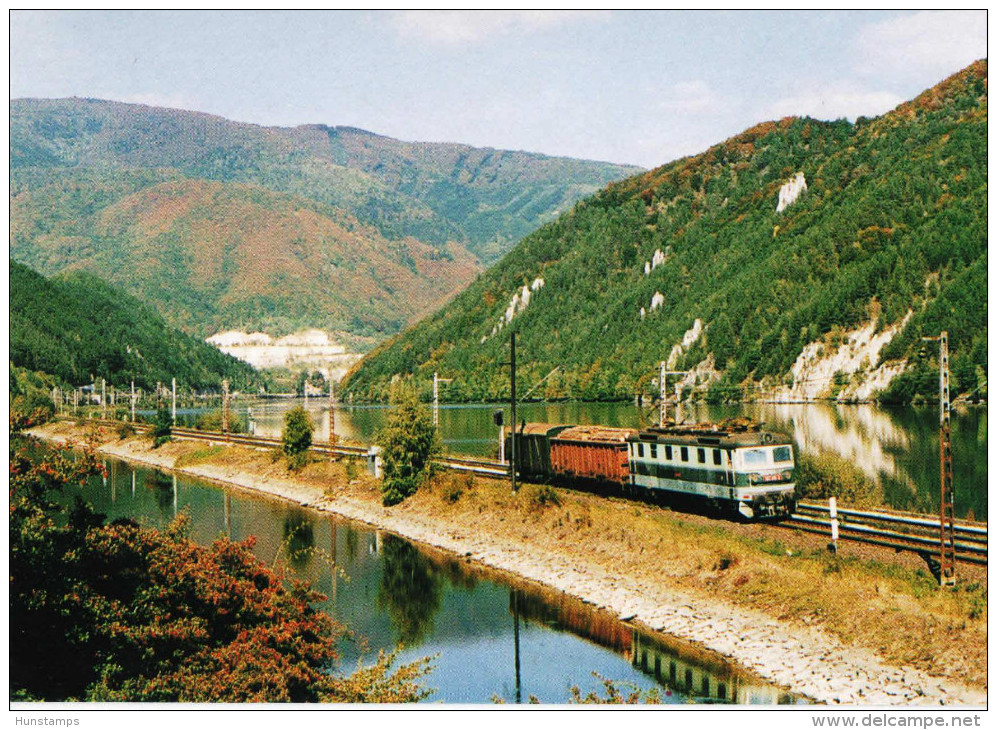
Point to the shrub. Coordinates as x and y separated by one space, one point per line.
826 475
162 427
297 437
409 442
541 497
212 421
119 612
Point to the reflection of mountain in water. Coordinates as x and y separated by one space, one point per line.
863 435
692 674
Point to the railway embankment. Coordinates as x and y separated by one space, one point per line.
862 627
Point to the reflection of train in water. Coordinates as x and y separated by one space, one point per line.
692 674
734 467
699 681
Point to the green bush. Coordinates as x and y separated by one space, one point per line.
826 475
409 442
212 421
162 427
297 437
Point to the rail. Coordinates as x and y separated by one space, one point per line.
870 528
898 530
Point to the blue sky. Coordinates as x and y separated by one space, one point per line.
640 87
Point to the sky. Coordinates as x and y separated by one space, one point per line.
638 87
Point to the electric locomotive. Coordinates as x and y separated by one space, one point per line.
735 467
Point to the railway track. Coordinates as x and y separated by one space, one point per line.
897 530
900 531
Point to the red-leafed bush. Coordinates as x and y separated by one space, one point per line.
119 612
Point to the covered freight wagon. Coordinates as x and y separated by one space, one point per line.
533 448
598 453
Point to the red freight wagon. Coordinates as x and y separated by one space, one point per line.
592 452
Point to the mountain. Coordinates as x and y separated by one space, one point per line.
225 225
78 329
797 253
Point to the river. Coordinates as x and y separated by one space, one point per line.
491 638
895 448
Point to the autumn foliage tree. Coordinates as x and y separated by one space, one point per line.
119 612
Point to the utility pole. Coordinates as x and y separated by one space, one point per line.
133 401
436 397
332 410
174 401
663 373
103 399
946 576
512 441
225 406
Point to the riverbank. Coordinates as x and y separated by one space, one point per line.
851 629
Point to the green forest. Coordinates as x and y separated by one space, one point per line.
78 329
893 220
221 225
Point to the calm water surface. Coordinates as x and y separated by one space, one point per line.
388 591
895 448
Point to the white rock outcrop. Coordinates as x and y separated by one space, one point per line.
688 340
311 348
520 301
789 192
815 368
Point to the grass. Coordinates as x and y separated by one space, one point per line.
879 604
199 455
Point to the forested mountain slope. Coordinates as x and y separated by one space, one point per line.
226 225
791 234
79 329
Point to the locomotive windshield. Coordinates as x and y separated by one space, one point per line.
767 456
756 457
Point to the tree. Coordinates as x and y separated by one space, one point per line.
297 436
162 427
409 442
119 612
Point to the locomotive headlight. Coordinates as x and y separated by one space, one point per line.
787 475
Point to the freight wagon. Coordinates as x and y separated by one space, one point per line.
595 453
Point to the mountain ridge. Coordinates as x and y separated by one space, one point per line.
866 241
404 205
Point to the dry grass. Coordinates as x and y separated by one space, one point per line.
865 597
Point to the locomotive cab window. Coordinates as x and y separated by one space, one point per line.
668 452
701 456
782 454
716 457
640 450
755 457
685 453
654 451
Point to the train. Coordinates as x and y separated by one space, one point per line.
733 467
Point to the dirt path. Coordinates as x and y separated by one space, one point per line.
804 659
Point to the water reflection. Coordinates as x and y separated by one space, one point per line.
895 448
685 673
409 591
388 591
299 539
162 487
